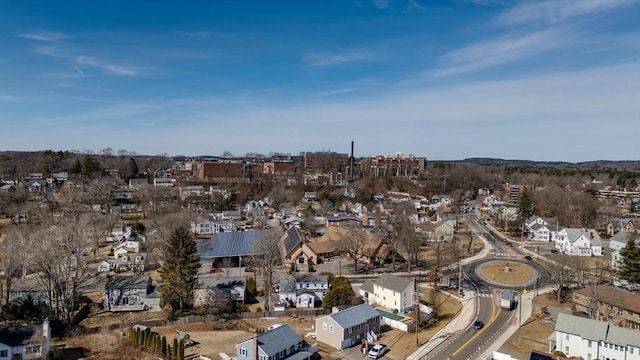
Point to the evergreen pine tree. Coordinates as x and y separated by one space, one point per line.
164 346
179 270
629 268
174 348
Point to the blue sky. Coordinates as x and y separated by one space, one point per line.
540 80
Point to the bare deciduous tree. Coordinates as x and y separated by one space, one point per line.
354 244
267 257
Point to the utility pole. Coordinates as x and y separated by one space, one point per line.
417 299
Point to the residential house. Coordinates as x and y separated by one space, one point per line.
343 220
579 242
138 183
129 245
295 249
348 327
389 291
136 262
25 342
206 228
189 191
163 182
127 293
324 250
280 343
440 231
618 242
373 219
625 224
37 185
608 303
212 288
538 229
593 339
28 289
303 291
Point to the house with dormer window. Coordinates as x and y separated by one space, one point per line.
579 242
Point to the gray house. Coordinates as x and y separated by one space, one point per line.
29 289
127 293
348 327
278 344
304 291
208 289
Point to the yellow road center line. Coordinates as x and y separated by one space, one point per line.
494 316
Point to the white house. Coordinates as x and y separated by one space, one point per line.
303 291
390 291
280 343
618 242
579 242
593 339
25 342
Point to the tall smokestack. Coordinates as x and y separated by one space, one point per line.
351 164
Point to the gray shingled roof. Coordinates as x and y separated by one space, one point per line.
278 339
354 315
623 237
367 286
237 243
127 282
574 233
16 336
596 330
393 282
314 279
536 226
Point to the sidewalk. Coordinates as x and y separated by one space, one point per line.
463 320
465 317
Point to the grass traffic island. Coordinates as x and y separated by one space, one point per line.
507 272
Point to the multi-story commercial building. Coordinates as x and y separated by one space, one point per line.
397 165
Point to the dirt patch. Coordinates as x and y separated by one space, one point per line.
212 338
497 271
403 344
533 335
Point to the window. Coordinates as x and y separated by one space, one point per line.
324 326
330 328
615 347
262 357
630 349
4 353
567 337
589 343
588 356
243 352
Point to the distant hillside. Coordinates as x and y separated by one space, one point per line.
619 164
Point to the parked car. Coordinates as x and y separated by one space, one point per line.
509 243
478 325
554 251
274 326
528 257
377 351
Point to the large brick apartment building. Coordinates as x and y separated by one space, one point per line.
397 165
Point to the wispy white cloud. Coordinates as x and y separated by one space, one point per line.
200 34
381 4
503 50
43 35
346 57
492 3
336 92
106 67
49 50
556 11
12 98
589 104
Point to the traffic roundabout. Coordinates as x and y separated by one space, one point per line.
506 273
